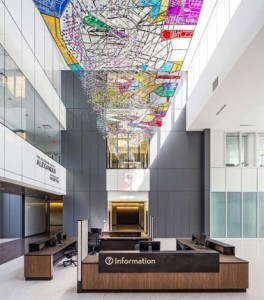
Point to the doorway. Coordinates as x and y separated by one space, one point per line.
127 212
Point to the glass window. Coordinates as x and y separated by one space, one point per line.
47 130
261 215
233 215
218 215
232 149
28 113
249 215
248 149
23 111
14 92
124 152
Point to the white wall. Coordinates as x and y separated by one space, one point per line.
19 164
127 196
26 38
219 52
127 180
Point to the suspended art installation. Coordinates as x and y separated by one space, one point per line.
128 55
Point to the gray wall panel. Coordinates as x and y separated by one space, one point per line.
161 217
5 212
74 150
70 119
98 179
185 210
99 209
68 211
15 216
169 226
86 151
177 209
80 99
94 150
176 175
67 83
161 177
153 209
70 180
0 214
83 154
82 206
207 182
179 123
82 180
89 119
77 119
10 216
153 179
179 179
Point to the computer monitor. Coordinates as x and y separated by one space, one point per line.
149 246
96 230
59 237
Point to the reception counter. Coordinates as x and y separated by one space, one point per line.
120 243
192 270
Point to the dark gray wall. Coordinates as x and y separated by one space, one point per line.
84 157
207 182
176 181
10 216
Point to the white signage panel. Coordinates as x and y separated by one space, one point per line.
22 162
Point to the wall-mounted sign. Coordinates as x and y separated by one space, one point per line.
153 262
43 163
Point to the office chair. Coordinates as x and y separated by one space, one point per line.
93 242
70 253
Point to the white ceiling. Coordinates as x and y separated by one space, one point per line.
242 91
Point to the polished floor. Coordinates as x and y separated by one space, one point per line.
63 286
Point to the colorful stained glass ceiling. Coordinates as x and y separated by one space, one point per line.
127 53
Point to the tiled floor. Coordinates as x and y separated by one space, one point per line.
63 286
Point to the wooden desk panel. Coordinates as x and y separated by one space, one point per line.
38 265
232 276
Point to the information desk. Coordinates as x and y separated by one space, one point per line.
38 265
187 244
121 243
121 234
184 276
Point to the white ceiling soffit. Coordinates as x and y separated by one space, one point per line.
239 98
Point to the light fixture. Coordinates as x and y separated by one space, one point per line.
21 133
128 68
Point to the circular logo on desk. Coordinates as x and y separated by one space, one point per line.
109 260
